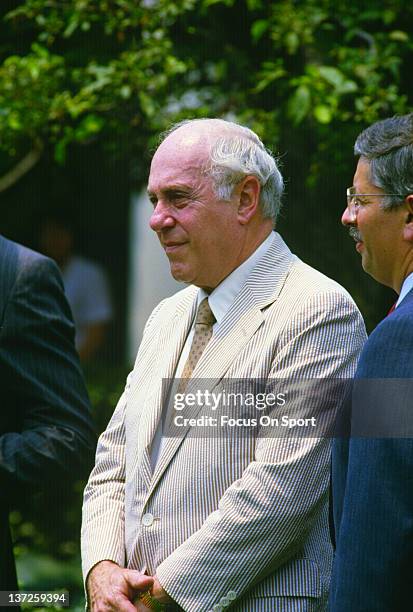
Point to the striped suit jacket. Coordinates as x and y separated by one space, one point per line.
227 521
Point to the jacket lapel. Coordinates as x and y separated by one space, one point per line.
170 342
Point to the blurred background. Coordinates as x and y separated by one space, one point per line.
85 88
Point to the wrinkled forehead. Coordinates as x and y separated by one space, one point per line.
184 150
179 159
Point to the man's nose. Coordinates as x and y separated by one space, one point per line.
161 217
347 218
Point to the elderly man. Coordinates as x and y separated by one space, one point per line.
219 520
372 476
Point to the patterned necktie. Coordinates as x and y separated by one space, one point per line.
203 332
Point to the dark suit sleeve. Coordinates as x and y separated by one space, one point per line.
374 554
48 424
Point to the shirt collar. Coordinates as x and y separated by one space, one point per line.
406 287
222 297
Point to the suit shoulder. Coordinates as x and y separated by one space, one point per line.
388 351
16 256
307 288
19 263
395 328
313 281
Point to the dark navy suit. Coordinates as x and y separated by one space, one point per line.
372 484
45 425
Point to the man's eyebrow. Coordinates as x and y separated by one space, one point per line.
171 190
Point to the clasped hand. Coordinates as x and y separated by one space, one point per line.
112 588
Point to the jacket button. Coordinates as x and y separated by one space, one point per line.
224 601
147 519
231 595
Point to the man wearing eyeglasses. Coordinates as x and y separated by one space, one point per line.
372 473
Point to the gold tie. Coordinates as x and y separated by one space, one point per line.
203 332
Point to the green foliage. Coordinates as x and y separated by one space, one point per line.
92 90
116 71
28 84
306 75
346 59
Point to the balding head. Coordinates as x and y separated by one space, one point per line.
210 130
206 235
232 152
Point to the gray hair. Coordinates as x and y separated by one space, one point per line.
388 147
237 153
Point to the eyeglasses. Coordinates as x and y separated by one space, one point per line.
354 203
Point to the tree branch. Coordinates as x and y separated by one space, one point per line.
22 167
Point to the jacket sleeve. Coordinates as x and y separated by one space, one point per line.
49 433
104 495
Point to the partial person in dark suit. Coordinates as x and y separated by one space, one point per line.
46 432
372 476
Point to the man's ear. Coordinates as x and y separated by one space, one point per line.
249 195
408 228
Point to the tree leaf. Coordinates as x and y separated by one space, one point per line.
399 35
259 28
332 75
299 104
323 113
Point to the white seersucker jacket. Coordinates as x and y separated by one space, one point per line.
227 521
